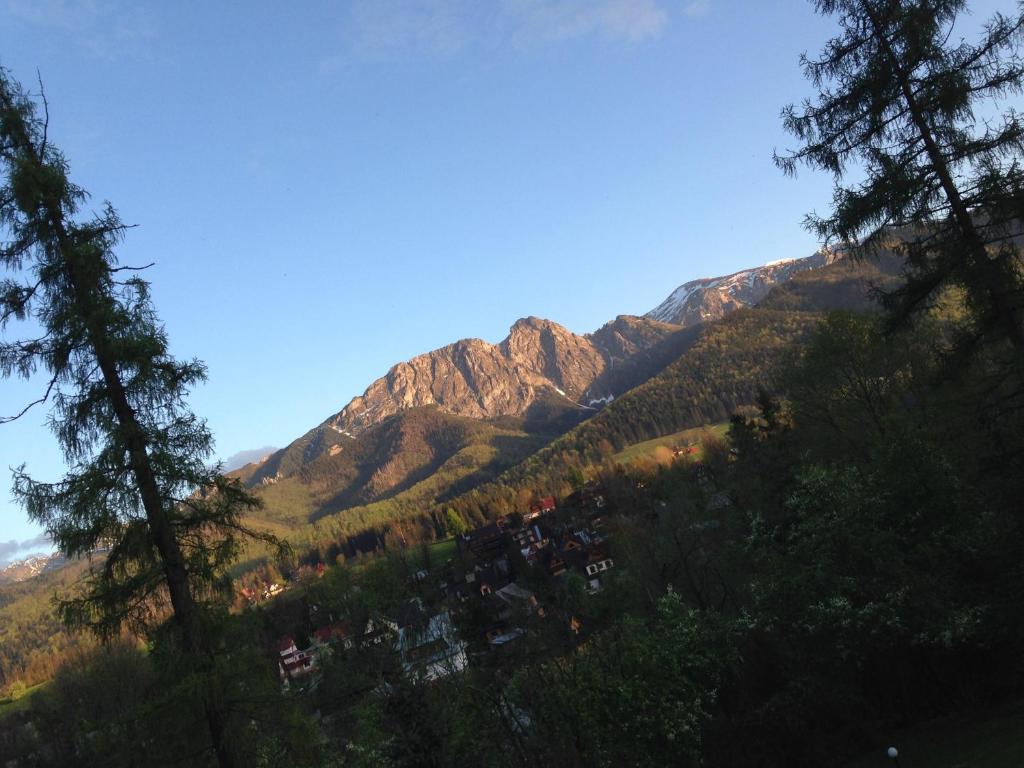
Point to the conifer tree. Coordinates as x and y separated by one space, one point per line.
905 102
138 495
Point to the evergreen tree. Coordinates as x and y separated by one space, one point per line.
901 99
138 488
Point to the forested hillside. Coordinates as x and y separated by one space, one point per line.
397 478
727 363
391 458
33 641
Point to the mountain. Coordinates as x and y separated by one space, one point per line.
240 459
421 454
481 380
30 567
711 298
720 371
542 375
451 419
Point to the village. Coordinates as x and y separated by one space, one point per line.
480 603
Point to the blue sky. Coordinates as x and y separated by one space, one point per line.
329 188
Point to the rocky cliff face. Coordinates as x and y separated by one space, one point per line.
710 298
474 378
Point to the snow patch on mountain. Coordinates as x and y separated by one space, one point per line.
30 567
710 298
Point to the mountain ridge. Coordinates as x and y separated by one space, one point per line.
29 567
541 379
711 298
540 372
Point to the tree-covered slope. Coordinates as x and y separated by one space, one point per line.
719 373
398 456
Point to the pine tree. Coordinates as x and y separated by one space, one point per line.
905 101
138 495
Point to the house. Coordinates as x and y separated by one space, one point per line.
517 597
430 648
293 663
531 537
582 550
333 635
500 642
596 563
684 450
485 543
552 561
272 590
545 505
376 631
502 607
479 580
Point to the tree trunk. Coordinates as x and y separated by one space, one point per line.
1011 317
86 295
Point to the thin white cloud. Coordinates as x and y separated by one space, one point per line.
630 21
104 29
697 8
432 26
446 27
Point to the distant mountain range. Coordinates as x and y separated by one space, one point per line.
485 381
29 567
481 380
240 459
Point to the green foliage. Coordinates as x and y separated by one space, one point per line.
138 493
454 524
883 544
33 641
139 488
635 695
898 94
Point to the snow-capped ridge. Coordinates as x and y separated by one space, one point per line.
709 298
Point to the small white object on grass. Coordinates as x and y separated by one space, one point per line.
892 752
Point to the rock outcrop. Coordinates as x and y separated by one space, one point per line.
481 380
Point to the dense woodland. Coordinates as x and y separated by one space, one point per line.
864 575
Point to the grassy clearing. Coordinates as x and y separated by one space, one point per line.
996 741
649 448
10 706
441 553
